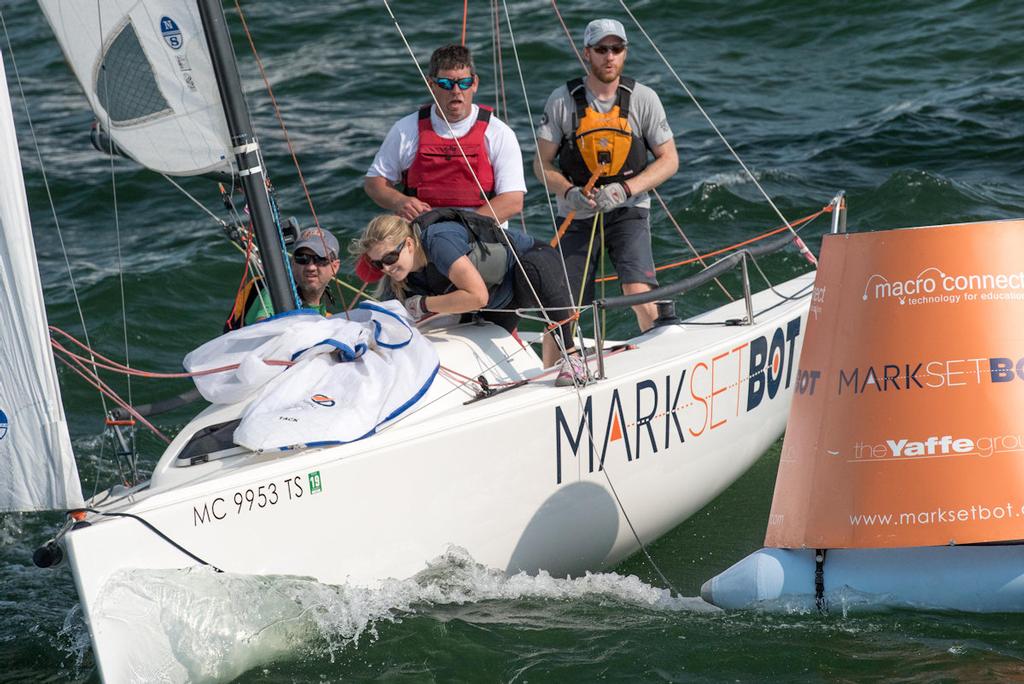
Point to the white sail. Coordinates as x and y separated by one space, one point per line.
146 71
37 467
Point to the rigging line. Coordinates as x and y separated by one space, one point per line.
689 244
729 248
152 528
99 460
604 312
46 186
117 212
543 174
117 459
90 377
277 112
416 408
501 72
465 17
199 204
796 238
462 152
494 54
440 111
771 286
568 35
114 366
572 44
276 214
253 265
533 128
239 302
579 396
499 78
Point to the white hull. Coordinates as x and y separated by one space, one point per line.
981 579
509 478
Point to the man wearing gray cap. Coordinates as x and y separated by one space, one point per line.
595 141
314 264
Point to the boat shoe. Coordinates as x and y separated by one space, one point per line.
574 371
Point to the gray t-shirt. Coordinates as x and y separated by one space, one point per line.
646 115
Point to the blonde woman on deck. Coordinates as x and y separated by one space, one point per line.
449 261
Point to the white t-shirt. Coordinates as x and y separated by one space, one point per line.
398 150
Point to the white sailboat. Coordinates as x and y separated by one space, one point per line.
528 478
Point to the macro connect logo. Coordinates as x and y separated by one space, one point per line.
934 286
3 424
880 287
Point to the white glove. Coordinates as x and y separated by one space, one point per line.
416 307
577 200
611 196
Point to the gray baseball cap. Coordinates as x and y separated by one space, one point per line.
318 240
599 28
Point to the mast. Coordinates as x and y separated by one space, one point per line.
247 154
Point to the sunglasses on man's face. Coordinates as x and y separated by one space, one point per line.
389 259
605 49
305 259
449 83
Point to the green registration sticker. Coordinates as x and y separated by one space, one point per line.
314 482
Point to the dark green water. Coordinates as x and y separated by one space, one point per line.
916 111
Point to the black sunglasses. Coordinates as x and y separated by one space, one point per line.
388 259
448 83
605 49
306 259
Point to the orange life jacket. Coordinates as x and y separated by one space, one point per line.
602 143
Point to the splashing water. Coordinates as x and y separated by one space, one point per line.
199 625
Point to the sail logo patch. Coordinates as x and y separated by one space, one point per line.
322 400
3 424
171 33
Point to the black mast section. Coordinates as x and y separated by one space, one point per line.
247 154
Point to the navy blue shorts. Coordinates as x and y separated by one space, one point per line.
627 237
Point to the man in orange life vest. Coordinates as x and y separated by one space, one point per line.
419 152
605 126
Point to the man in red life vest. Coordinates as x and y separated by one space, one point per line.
420 155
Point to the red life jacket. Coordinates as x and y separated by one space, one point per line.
439 175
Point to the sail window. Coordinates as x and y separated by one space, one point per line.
125 84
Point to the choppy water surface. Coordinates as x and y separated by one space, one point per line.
915 111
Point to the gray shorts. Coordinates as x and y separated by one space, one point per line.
627 237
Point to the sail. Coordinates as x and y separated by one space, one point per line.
37 467
905 428
145 69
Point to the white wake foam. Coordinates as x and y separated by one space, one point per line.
198 625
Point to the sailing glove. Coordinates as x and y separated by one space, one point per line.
416 307
577 200
611 196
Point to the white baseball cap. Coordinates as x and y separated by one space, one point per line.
599 28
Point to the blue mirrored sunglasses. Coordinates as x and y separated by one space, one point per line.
449 83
